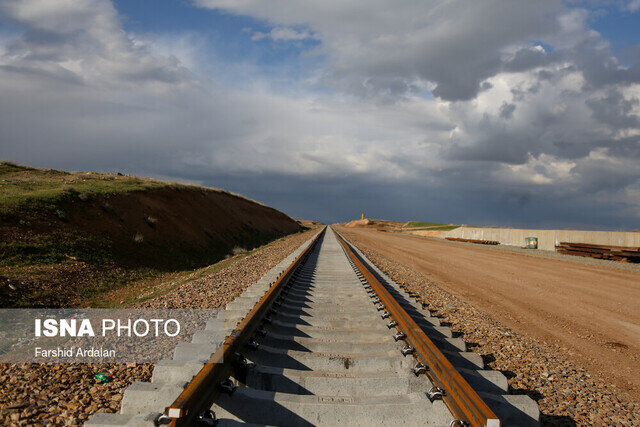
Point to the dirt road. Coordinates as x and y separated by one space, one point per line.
592 311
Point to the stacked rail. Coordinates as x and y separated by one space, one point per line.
477 241
332 341
612 253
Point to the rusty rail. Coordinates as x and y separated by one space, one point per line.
203 389
609 252
462 400
478 241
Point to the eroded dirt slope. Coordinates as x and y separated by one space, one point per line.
70 249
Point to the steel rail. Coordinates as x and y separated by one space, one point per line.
462 400
203 389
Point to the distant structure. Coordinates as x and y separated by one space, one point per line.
362 215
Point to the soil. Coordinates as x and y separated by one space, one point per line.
577 319
378 224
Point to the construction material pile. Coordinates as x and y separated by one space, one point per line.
481 242
612 253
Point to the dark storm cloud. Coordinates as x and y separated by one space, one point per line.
345 198
628 147
506 110
528 58
615 110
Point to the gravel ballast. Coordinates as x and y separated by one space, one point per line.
566 394
67 394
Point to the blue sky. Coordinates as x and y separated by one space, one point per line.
621 27
223 35
511 112
222 31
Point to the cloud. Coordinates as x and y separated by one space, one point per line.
90 94
282 34
528 58
615 110
82 43
440 106
506 110
633 6
454 44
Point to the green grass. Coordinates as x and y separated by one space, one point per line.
23 186
53 248
445 227
49 259
424 224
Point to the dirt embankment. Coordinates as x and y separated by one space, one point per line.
378 224
70 253
411 227
188 218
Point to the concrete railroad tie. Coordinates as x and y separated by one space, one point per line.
328 358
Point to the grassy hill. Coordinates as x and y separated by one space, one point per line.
69 237
433 226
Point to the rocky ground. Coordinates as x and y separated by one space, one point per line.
566 394
67 394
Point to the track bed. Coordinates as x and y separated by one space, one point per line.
319 348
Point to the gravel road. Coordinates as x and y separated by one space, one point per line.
67 394
550 358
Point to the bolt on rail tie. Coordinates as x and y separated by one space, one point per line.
420 368
207 418
436 393
399 336
406 350
242 361
227 387
161 419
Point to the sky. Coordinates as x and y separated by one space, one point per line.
499 112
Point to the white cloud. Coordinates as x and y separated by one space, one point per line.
83 42
282 34
541 170
633 6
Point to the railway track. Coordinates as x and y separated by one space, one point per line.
332 341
